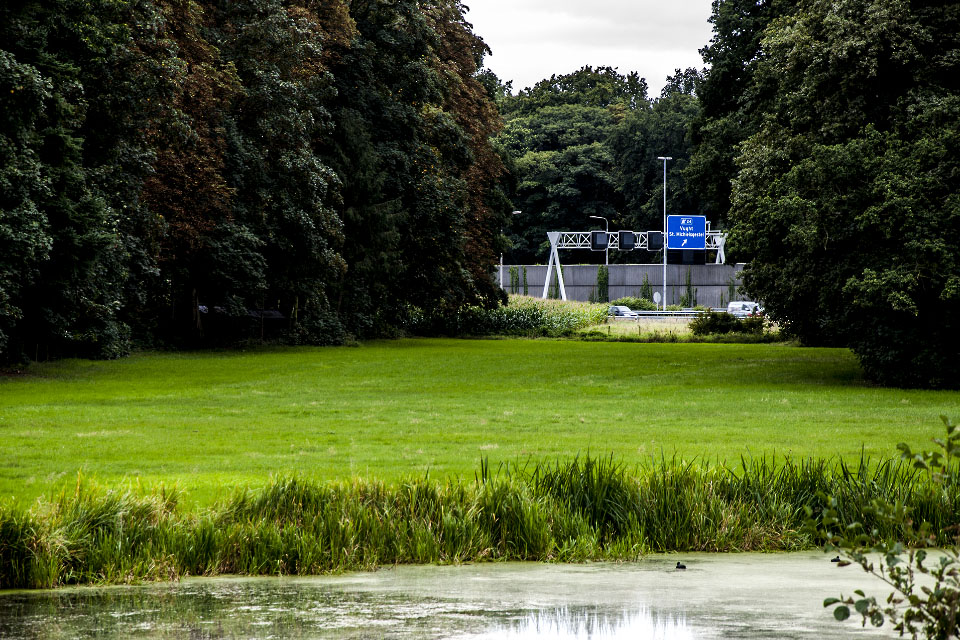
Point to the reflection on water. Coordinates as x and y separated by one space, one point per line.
719 596
570 624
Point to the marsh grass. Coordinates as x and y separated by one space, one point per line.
587 508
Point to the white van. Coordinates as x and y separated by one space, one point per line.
743 308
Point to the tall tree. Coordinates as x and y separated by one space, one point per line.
74 162
384 86
459 57
846 197
25 238
729 112
587 145
188 189
284 195
588 86
169 168
410 142
558 135
642 137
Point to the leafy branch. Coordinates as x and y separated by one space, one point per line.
925 587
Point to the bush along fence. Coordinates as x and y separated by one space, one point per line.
581 509
523 316
518 280
713 323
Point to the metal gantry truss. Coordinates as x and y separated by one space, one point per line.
581 240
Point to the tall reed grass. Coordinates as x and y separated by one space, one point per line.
581 509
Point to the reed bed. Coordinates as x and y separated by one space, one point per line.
575 510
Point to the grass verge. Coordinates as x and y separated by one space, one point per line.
408 408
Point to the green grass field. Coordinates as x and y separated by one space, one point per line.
208 422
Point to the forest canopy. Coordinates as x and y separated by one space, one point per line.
586 144
829 139
188 173
179 173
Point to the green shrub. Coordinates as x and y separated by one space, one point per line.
555 317
603 284
637 304
753 324
523 316
712 322
720 323
646 289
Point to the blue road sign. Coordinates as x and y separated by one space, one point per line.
687 232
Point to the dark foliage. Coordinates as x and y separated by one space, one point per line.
719 322
177 173
586 144
829 138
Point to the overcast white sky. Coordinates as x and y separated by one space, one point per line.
534 39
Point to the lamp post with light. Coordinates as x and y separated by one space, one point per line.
516 213
664 158
606 251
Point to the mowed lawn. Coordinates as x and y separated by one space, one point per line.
207 422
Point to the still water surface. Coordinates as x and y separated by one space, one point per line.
718 596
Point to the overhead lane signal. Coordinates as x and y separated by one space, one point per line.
599 241
654 240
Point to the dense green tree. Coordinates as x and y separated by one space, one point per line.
130 87
642 137
555 128
283 195
363 150
729 113
170 168
73 161
557 135
559 190
411 144
588 86
458 58
587 144
187 188
846 196
400 211
25 238
683 82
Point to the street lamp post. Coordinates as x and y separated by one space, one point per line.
664 158
606 251
516 213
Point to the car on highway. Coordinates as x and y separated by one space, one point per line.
621 311
744 308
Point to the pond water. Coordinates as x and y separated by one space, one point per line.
718 596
